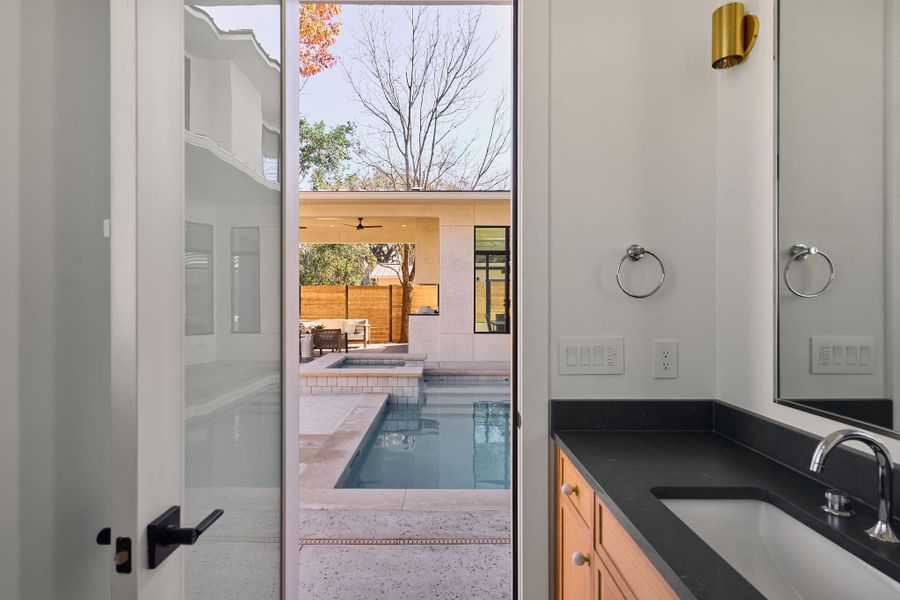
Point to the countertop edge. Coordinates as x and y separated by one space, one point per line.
667 573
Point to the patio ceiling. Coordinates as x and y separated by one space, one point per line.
342 230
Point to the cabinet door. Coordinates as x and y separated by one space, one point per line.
605 587
574 556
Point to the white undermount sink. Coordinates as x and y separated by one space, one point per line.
783 558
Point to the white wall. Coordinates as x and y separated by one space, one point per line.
832 186
10 106
612 157
56 58
632 159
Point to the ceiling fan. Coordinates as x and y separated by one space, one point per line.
359 226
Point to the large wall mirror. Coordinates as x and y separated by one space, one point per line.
838 243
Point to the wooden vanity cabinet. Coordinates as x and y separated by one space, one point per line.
596 559
574 563
604 584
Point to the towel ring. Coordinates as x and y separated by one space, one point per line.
802 252
635 253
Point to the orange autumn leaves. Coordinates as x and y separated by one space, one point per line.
319 29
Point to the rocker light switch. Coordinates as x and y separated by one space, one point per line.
591 355
843 354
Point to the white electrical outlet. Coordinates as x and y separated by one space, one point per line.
591 355
665 359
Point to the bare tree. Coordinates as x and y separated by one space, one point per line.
401 259
419 92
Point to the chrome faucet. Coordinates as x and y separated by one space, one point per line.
881 531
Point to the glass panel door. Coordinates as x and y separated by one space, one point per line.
232 342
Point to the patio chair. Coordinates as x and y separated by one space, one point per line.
332 339
498 325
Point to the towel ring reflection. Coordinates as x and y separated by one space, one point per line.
635 253
802 252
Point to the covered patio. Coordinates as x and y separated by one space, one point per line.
444 321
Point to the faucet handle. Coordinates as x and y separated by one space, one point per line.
837 503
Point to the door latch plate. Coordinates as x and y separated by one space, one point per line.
123 555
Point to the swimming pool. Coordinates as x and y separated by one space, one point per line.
458 440
358 363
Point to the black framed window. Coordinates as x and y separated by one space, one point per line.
491 279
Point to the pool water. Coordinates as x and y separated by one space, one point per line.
369 364
445 442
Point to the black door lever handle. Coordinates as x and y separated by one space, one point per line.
165 534
187 536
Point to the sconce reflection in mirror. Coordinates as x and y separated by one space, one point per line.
734 34
635 253
802 252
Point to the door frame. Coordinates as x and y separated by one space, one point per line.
533 519
530 218
290 298
146 253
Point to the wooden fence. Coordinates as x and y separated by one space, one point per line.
380 304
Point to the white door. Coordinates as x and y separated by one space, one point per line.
199 363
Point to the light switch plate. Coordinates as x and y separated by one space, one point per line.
591 355
843 354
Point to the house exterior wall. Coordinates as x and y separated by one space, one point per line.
448 225
428 248
226 107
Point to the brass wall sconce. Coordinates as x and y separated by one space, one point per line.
734 34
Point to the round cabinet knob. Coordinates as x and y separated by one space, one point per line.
568 490
579 559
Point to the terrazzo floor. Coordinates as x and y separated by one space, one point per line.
474 572
479 569
411 525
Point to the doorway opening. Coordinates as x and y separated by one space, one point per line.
406 325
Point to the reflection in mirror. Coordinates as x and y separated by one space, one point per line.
232 344
838 218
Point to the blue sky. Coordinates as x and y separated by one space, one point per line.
327 96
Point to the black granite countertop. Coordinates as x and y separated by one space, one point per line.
631 470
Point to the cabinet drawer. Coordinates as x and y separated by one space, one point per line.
572 487
641 577
574 559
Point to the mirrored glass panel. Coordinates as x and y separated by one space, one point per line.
838 218
232 344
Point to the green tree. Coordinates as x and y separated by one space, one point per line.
325 153
335 264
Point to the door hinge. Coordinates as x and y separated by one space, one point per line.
518 420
